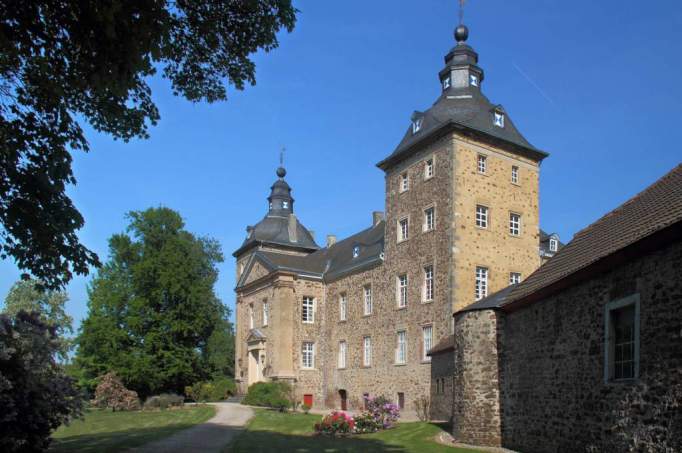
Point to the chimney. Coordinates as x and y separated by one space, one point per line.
293 231
377 217
331 240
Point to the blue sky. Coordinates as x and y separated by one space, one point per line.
596 84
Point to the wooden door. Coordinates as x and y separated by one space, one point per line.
308 400
344 400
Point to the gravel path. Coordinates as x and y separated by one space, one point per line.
209 437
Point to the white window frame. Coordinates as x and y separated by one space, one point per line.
498 119
515 174
427 295
266 313
401 347
473 80
366 351
367 300
285 204
429 168
515 224
482 216
403 229
429 219
343 307
343 351
308 310
514 278
609 339
402 284
482 163
404 182
308 355
481 285
553 245
417 125
252 321
356 251
447 83
427 342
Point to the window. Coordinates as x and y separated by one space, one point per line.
403 229
402 291
342 354
499 119
308 310
473 80
429 218
308 355
482 163
514 278
417 125
481 216
481 282
514 224
356 251
251 321
428 283
401 349
367 351
446 83
428 169
266 313
285 205
427 342
404 182
368 300
343 307
622 339
515 174
553 245
401 400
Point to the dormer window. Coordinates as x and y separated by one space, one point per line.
356 251
285 205
499 119
553 245
446 83
417 125
473 80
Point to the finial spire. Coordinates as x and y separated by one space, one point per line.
281 171
461 32
461 11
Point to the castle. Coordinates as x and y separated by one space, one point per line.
359 316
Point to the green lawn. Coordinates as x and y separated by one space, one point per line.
271 431
106 431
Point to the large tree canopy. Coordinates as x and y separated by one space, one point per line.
27 295
62 62
152 308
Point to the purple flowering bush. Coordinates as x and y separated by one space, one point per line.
379 413
384 412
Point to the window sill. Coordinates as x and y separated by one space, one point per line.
424 231
343 321
482 228
515 236
308 369
367 315
426 302
428 178
400 241
517 184
425 362
400 364
401 308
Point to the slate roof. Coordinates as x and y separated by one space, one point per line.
493 301
544 243
446 344
274 230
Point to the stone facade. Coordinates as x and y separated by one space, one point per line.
442 385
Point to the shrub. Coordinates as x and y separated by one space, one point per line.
36 396
223 388
305 408
216 390
423 407
268 394
112 394
335 423
382 410
163 401
365 423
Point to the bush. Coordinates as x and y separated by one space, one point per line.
164 401
382 410
305 408
269 394
365 423
112 394
423 407
335 423
36 396
217 390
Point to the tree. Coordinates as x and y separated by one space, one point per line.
220 349
36 396
66 63
27 295
152 307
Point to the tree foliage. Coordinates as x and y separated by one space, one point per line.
112 394
29 296
68 62
152 307
36 396
220 349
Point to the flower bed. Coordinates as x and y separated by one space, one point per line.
379 414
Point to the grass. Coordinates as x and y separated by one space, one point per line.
106 431
271 431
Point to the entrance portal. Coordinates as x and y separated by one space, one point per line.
344 400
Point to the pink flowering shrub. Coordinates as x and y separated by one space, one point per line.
384 412
335 423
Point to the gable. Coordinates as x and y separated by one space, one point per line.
254 272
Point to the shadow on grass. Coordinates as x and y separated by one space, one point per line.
269 441
113 441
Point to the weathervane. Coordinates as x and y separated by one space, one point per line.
281 156
461 11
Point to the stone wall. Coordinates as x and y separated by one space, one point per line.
554 394
442 379
476 409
